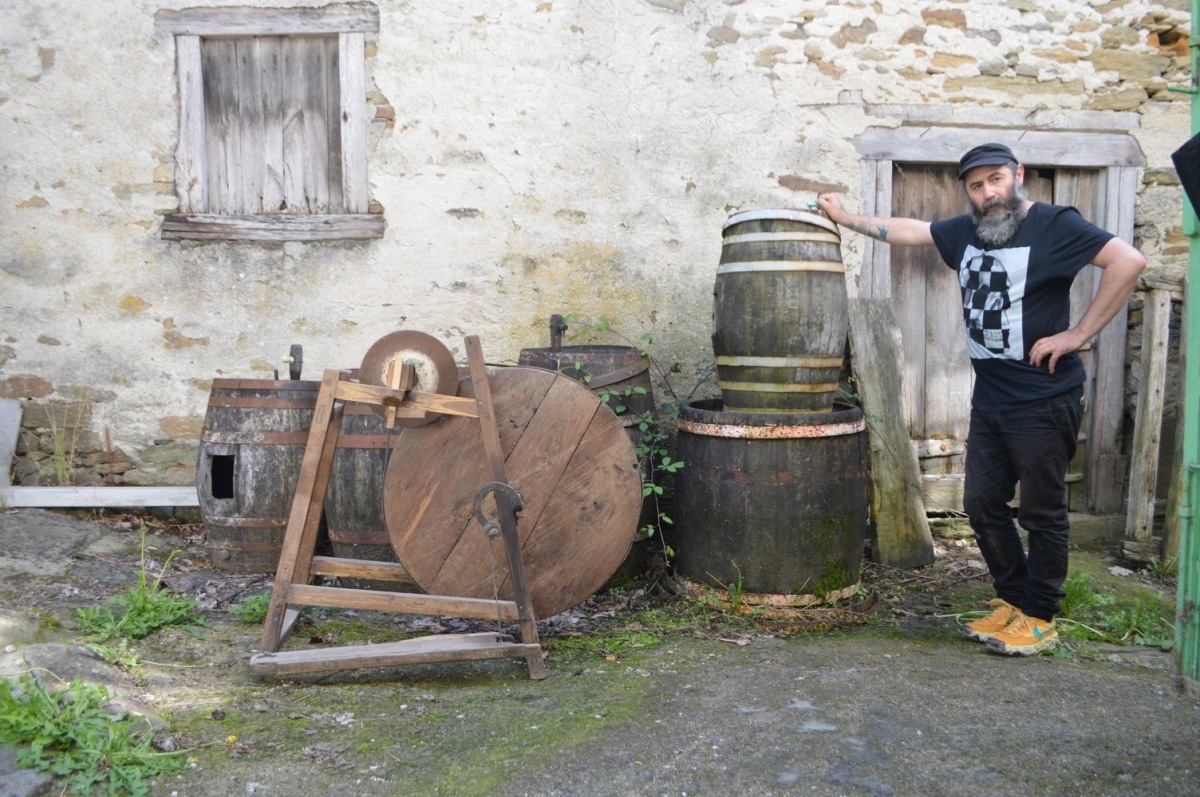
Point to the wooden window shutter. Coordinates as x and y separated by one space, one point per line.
272 140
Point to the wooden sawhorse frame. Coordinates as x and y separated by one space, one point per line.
297 563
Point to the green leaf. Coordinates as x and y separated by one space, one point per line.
645 492
619 408
639 390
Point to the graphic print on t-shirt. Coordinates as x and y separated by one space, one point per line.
993 285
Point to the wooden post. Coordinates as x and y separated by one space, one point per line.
902 531
508 526
301 537
1143 479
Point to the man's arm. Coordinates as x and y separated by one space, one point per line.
905 232
1122 264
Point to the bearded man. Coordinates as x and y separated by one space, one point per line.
1016 260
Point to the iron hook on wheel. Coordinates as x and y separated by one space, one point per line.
490 528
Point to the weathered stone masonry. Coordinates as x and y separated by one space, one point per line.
531 158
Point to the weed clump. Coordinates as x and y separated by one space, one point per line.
70 735
141 609
1088 615
252 609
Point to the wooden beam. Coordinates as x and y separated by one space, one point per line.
10 430
457 647
406 602
415 401
902 532
974 116
272 227
1108 401
875 279
353 92
1143 477
943 492
244 21
299 540
97 497
1032 147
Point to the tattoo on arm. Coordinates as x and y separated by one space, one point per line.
880 231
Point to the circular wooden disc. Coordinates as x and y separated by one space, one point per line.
565 453
433 362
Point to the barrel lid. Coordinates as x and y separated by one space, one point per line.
790 214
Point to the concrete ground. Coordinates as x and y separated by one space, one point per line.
651 696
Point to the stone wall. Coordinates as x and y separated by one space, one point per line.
575 157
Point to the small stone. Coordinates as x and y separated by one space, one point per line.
1117 570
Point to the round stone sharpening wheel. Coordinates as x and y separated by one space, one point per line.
434 365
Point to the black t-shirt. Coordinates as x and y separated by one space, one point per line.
1014 296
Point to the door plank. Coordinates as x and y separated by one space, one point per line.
251 124
908 293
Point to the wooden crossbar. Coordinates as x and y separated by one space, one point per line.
407 602
359 568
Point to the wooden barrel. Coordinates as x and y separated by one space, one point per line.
783 496
621 376
354 498
779 316
251 448
610 371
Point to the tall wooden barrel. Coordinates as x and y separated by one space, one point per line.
354 499
780 317
776 500
251 448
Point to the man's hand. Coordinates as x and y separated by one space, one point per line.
833 207
1056 346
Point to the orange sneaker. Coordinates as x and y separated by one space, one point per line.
1024 636
985 628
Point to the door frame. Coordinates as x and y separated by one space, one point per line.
1119 155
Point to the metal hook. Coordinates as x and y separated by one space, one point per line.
490 527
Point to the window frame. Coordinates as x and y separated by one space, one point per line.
193 221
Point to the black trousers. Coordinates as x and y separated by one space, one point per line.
1032 446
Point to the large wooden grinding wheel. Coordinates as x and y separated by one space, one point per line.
568 456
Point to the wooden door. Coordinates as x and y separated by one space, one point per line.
937 377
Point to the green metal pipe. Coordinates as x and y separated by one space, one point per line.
1187 619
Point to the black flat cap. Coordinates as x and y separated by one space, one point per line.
985 155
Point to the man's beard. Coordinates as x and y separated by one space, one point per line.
998 228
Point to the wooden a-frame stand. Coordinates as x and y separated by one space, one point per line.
297 563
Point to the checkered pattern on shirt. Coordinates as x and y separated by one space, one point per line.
985 298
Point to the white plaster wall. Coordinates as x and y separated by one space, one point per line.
603 144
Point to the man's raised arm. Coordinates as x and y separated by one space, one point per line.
905 232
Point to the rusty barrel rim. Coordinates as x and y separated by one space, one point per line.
708 418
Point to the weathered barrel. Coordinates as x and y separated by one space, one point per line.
608 370
774 501
251 448
620 375
354 498
779 316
